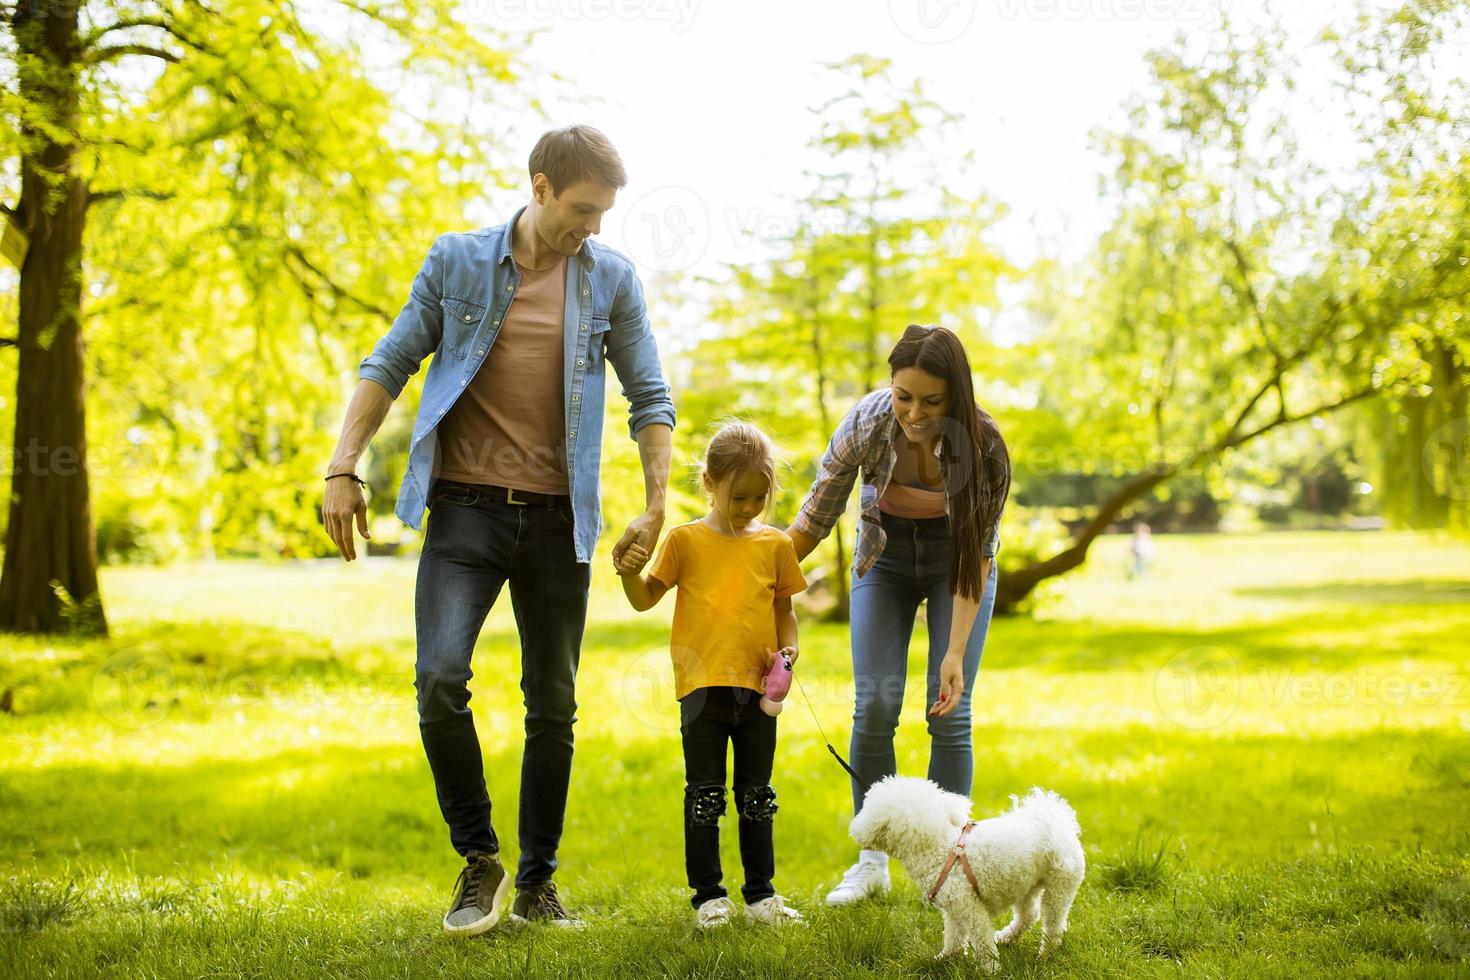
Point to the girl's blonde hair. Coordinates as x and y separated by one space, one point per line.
740 447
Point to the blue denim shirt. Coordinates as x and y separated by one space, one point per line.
454 311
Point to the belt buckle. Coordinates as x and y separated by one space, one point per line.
510 498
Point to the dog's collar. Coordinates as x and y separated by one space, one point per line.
957 853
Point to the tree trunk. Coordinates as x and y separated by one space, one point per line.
1012 587
842 608
49 537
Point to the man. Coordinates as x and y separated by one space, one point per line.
505 453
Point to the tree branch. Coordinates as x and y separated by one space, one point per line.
112 52
110 194
92 37
1250 294
1284 419
337 291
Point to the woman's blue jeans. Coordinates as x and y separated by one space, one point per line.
913 568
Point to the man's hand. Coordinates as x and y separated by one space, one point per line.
344 505
642 531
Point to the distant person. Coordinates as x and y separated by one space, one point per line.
506 454
1141 548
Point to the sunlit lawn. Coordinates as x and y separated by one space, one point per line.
1266 744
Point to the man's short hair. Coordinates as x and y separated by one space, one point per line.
577 153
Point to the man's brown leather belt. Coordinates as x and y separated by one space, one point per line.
519 498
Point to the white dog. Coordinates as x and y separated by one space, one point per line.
1028 859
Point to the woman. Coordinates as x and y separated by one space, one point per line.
936 475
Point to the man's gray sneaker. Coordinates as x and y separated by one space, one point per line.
540 904
478 895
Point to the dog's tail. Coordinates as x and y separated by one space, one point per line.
1054 813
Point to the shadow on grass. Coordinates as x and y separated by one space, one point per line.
1412 593
372 811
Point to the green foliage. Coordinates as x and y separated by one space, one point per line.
261 204
82 618
1243 287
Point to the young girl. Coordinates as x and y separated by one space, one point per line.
735 577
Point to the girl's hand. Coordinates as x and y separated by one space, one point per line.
791 652
632 560
951 684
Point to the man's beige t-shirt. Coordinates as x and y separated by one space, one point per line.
507 428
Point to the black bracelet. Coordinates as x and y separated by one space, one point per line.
356 479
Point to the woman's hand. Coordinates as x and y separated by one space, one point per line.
951 683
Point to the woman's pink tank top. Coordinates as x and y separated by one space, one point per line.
914 503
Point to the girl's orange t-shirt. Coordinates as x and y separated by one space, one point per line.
724 613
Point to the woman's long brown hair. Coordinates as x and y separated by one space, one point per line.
977 463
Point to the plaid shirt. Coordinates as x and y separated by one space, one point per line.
865 439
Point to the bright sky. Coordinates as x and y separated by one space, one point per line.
709 101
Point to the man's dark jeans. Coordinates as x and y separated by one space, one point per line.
473 546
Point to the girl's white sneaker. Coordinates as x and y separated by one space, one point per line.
772 911
715 912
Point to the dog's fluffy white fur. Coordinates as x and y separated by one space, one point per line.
1028 859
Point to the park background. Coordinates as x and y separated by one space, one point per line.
1210 262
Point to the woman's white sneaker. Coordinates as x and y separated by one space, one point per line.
715 912
863 879
772 911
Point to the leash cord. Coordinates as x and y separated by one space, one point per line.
840 761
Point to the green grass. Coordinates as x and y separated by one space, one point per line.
1265 743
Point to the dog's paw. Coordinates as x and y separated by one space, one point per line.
1003 936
